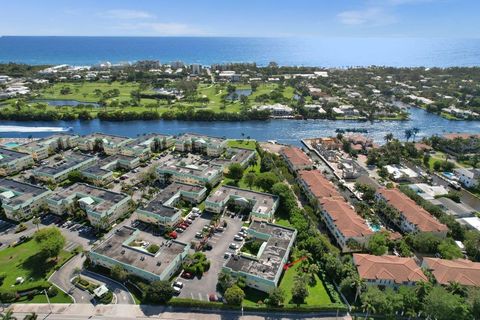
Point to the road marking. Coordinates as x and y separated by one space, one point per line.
191 293
200 296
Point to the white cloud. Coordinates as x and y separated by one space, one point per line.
124 14
367 17
157 28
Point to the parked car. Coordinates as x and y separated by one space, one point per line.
198 235
178 284
212 297
238 238
176 290
187 275
183 226
179 230
233 246
219 229
227 255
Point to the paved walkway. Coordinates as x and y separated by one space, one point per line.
125 312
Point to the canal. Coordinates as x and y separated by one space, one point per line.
284 131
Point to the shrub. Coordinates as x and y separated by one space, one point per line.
52 291
153 248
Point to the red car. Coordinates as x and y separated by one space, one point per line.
187 275
173 235
212 297
183 226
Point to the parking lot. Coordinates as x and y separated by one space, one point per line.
200 289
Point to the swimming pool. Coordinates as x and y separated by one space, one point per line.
11 144
374 227
449 175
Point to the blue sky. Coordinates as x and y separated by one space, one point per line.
324 18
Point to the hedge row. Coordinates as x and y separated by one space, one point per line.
180 302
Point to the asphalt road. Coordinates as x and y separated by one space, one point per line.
61 278
126 312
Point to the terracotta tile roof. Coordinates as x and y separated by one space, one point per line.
296 156
393 268
412 212
318 185
452 136
422 146
463 271
347 221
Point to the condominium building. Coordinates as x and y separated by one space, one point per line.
12 161
101 172
58 170
102 206
20 200
413 218
316 186
347 227
263 270
388 271
143 146
140 254
161 210
210 146
262 205
43 148
107 143
296 159
190 170
461 271
244 157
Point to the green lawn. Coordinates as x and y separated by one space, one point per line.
84 91
318 295
242 143
25 261
61 297
242 184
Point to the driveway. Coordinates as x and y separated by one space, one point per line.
123 295
61 278
199 289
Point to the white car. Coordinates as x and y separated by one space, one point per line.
233 246
178 284
227 255
238 238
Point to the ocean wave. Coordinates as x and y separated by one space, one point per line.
32 129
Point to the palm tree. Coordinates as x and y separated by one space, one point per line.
457 288
415 130
36 222
8 315
367 307
388 137
422 289
408 134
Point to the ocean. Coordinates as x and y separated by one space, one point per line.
323 52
